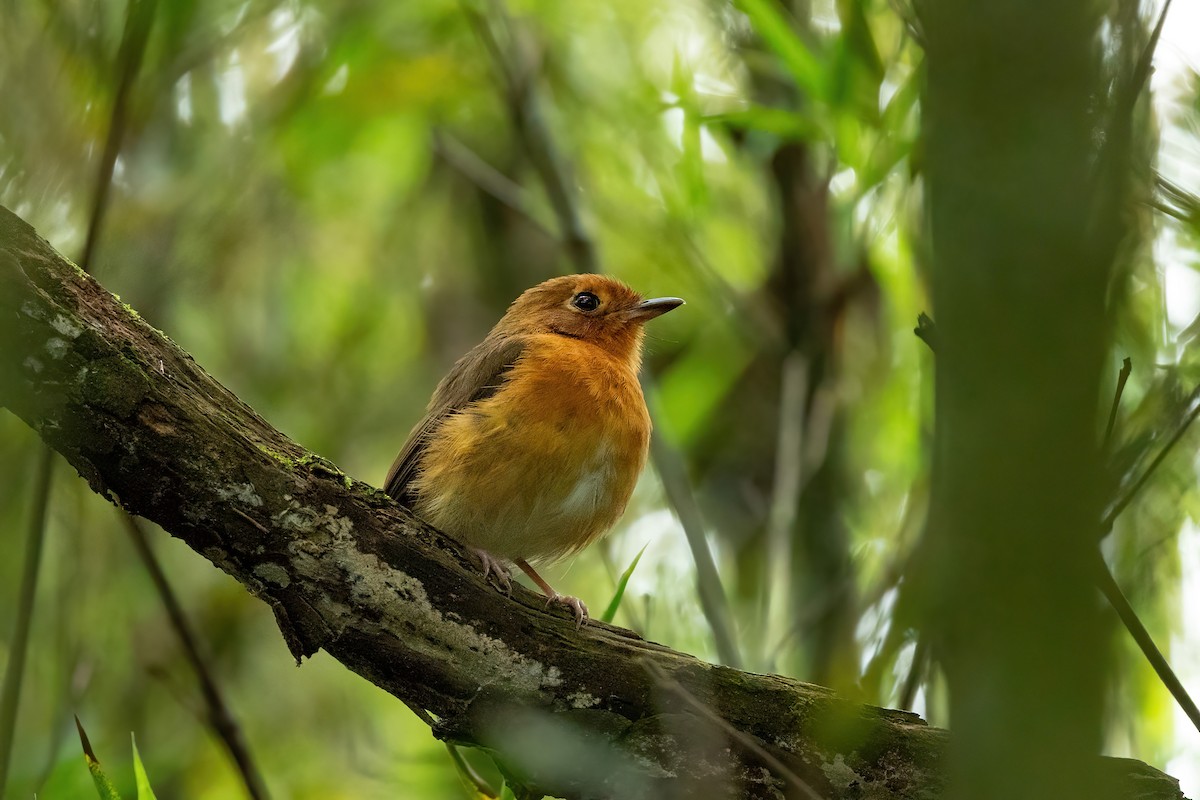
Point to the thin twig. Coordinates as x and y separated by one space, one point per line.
916 673
1116 598
912 23
785 495
14 673
421 714
218 714
713 601
899 566
468 772
1129 494
129 58
1142 70
888 580
536 139
1173 213
811 612
926 331
1122 377
486 177
182 696
872 676
1186 205
138 20
250 519
1113 165
664 681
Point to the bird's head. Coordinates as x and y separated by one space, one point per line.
592 308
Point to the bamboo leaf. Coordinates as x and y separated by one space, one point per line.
780 37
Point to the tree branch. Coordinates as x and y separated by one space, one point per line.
347 570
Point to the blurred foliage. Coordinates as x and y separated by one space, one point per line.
328 203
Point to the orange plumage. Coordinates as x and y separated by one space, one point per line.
533 442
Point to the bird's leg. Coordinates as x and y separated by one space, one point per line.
574 603
493 566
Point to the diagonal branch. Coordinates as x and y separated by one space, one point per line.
346 570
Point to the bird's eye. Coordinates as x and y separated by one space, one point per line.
586 301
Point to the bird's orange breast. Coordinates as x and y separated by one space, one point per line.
547 464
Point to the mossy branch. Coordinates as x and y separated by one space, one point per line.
344 569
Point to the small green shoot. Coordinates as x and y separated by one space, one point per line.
104 787
144 792
611 612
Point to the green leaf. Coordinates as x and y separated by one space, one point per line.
788 125
144 792
779 35
104 787
854 71
507 793
902 102
860 39
611 611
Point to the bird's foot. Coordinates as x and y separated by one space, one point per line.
574 603
494 567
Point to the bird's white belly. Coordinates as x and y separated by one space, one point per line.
593 490
566 512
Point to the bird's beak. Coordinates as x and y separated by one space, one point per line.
649 309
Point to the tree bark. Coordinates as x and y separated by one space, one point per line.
1026 184
594 713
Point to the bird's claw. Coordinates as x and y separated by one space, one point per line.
494 567
576 605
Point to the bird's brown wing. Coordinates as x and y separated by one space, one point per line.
474 377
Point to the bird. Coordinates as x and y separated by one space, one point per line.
531 445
